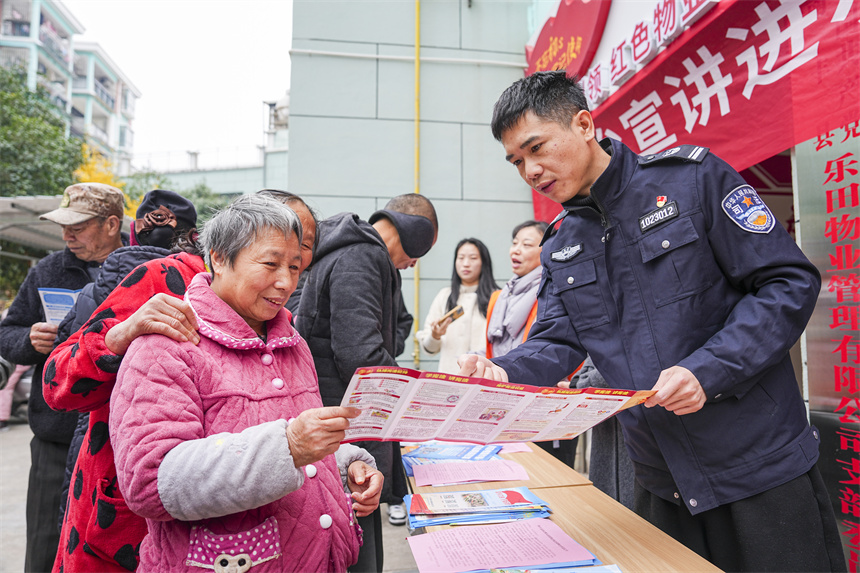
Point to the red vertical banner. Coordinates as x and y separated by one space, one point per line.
828 176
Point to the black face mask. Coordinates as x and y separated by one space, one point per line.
157 237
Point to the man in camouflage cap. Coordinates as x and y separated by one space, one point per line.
91 217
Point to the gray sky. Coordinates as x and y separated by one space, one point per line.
203 67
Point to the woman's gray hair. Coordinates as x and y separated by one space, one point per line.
240 223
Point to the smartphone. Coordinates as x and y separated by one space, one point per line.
454 313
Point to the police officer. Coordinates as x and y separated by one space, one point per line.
674 276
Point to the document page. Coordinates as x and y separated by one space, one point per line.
400 404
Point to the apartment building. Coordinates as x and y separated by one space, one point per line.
90 91
103 101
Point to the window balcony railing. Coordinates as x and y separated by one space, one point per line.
103 94
78 126
18 28
128 103
14 57
98 133
126 138
54 44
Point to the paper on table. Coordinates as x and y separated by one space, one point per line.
514 448
490 470
520 544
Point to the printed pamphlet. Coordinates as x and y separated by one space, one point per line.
401 404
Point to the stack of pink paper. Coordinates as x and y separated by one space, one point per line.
527 544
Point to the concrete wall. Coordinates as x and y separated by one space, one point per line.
352 120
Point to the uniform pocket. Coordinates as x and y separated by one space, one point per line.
675 263
578 288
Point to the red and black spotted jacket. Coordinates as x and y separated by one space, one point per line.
99 532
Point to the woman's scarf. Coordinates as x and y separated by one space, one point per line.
512 310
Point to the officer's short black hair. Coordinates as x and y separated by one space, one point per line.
551 96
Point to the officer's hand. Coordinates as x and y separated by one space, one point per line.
564 383
42 336
317 433
438 329
678 390
365 485
162 314
480 367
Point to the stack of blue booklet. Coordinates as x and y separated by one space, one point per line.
474 507
432 453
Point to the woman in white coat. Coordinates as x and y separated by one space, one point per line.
472 284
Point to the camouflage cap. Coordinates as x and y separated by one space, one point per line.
83 201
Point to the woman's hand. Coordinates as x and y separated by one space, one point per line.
438 329
317 433
162 314
365 483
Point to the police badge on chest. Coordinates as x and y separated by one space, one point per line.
663 213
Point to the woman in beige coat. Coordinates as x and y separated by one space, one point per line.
472 284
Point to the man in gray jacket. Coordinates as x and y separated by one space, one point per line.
349 313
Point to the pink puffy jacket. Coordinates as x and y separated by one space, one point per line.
201 449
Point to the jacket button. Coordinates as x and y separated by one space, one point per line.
310 470
325 521
570 280
677 496
665 244
278 383
602 239
693 503
815 434
266 359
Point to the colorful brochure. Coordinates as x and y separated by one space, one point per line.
401 404
438 452
448 452
57 302
488 470
519 498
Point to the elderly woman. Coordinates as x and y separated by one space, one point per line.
223 446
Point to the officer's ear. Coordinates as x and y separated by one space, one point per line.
583 123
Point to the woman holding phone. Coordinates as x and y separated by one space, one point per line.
457 320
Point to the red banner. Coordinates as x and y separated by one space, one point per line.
569 39
749 80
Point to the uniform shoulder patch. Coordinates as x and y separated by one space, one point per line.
748 211
688 153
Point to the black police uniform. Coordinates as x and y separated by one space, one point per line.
674 260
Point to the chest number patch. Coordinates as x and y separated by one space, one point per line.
748 211
661 215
